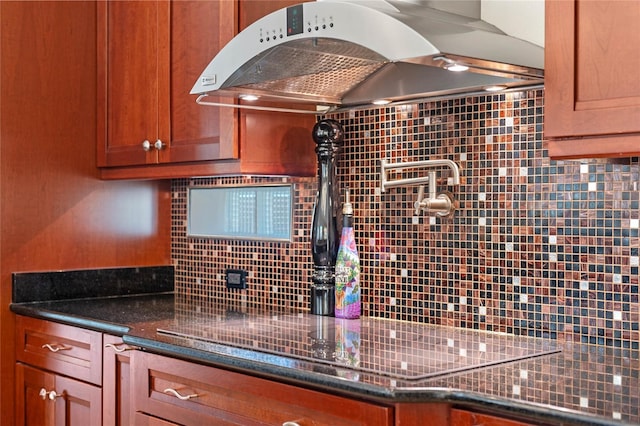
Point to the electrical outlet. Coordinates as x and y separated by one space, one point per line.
236 278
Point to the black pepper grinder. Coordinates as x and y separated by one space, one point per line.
328 136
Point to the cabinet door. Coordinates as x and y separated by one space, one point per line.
150 54
199 29
592 77
116 383
48 399
133 58
31 409
275 142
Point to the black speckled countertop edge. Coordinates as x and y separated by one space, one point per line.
308 374
77 312
127 314
91 324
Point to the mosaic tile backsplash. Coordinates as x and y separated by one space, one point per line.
536 246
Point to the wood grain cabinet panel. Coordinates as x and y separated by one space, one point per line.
63 349
116 382
141 419
469 418
61 383
149 56
193 394
592 78
49 399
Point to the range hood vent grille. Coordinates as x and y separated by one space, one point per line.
313 67
346 53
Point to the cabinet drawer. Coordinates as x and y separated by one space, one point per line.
141 419
470 418
215 396
60 348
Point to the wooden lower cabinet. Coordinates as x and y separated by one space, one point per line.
192 394
48 399
116 383
63 349
68 375
470 418
58 374
141 419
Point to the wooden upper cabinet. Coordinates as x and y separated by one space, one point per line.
198 31
252 10
150 55
592 78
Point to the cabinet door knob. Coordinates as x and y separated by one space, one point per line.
179 396
52 395
290 424
54 347
146 145
158 145
120 347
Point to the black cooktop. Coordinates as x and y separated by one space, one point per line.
401 350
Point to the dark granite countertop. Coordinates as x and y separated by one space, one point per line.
580 384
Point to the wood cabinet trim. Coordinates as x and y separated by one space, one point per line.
566 115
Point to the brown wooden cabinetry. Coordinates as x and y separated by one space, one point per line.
70 376
141 419
116 383
469 418
592 78
71 351
192 394
48 399
58 374
149 126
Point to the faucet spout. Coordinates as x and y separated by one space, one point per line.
441 204
430 164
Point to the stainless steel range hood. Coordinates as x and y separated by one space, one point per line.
346 53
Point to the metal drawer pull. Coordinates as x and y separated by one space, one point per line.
177 395
52 395
120 347
290 424
55 347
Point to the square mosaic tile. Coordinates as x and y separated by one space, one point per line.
536 246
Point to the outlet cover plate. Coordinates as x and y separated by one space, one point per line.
236 279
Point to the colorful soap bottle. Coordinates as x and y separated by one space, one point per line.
347 268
